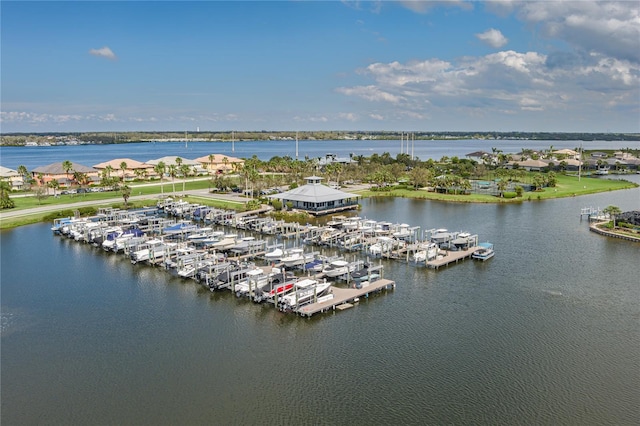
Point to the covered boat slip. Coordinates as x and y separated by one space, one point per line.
339 296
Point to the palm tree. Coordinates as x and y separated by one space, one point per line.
225 161
123 167
40 180
81 178
173 172
24 173
502 186
54 184
160 168
613 211
67 166
211 158
126 193
141 174
184 171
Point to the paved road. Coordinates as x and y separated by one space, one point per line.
198 192
51 208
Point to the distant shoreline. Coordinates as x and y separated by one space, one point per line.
81 138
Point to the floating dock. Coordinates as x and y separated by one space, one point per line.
340 298
452 257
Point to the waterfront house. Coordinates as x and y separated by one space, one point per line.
56 171
318 199
13 177
219 163
333 159
566 153
529 165
133 168
171 160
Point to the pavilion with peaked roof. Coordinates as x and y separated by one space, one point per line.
318 199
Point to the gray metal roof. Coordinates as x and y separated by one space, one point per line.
57 169
314 193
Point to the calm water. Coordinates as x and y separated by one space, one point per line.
89 155
546 332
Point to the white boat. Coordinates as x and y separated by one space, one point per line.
201 234
403 232
152 247
338 268
226 242
297 257
306 291
256 280
485 252
440 236
426 252
352 223
383 244
336 221
461 240
274 255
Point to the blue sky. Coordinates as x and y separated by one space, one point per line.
298 65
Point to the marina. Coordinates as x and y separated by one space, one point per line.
222 250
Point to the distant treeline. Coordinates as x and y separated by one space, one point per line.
127 137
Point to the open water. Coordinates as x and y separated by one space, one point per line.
89 155
546 332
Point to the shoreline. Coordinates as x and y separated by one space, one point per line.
594 227
567 186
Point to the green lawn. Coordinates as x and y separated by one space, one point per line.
136 189
566 186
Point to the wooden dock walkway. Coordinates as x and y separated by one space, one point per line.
452 257
341 296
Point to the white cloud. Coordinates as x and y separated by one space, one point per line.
35 118
350 116
493 38
504 82
104 52
610 28
370 93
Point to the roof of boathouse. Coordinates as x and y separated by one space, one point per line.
314 192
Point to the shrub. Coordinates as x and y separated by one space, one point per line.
277 204
509 194
519 191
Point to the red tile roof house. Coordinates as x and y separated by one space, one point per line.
131 170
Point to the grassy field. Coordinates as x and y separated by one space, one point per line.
566 186
30 202
29 218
